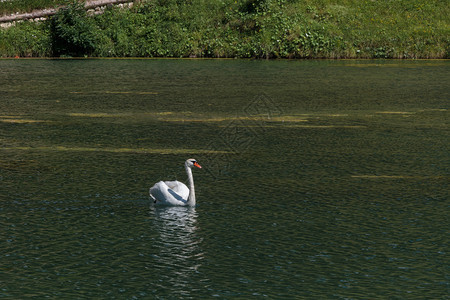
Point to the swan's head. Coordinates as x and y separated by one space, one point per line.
192 163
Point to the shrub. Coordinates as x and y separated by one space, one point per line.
73 33
25 39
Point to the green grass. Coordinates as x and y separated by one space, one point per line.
245 29
13 6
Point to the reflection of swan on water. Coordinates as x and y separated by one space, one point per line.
182 219
179 254
175 192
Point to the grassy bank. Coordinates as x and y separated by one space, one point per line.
19 6
251 28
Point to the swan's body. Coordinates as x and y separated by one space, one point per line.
175 192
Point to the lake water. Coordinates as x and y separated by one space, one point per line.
320 179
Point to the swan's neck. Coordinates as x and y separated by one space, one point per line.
191 198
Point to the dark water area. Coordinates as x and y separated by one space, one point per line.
320 179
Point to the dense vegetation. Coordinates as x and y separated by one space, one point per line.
250 28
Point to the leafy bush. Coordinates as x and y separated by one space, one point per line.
26 39
72 32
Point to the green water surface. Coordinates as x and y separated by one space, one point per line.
320 179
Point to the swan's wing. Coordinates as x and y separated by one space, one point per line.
179 188
163 194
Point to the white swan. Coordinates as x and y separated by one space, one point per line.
175 192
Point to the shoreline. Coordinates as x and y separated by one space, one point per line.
276 30
231 58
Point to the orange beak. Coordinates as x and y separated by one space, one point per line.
197 165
